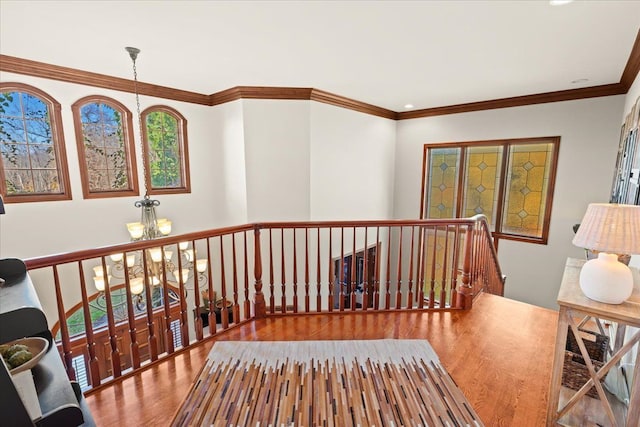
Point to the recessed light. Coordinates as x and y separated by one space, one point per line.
408 106
578 81
559 2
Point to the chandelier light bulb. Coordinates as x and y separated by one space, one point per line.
116 257
136 285
164 226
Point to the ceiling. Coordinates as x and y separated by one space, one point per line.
385 53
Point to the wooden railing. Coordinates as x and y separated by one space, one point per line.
159 296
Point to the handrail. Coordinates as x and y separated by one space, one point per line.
185 288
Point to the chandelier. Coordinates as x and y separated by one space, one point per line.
158 261
149 226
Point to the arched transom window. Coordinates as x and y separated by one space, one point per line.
33 162
166 154
106 150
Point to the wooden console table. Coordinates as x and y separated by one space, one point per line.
574 305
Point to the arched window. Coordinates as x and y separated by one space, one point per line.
165 154
33 159
106 151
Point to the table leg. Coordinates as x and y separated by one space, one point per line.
558 364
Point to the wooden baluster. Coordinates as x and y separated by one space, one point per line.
224 313
295 273
353 278
67 354
443 283
365 273
331 272
341 278
113 337
283 275
236 306
272 290
399 276
454 266
422 260
133 336
247 301
260 309
212 303
184 318
432 281
318 277
465 291
94 367
152 340
166 306
410 281
387 299
376 284
306 271
197 320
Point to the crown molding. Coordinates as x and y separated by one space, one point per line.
351 104
632 68
71 75
28 67
518 101
259 92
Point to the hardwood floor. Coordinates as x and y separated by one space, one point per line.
499 353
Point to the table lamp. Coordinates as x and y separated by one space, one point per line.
610 229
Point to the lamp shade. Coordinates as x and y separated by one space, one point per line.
610 228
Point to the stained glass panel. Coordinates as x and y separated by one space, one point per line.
482 181
527 184
442 185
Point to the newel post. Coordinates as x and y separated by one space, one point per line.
465 291
260 308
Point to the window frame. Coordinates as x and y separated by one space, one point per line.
504 176
183 147
57 135
129 147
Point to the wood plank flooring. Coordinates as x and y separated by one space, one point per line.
499 353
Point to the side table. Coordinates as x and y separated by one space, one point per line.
573 306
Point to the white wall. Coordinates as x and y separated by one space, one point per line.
226 165
277 159
589 131
352 164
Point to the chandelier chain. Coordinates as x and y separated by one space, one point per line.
144 160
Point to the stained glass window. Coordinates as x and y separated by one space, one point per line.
509 181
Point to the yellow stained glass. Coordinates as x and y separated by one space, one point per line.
526 189
482 179
442 184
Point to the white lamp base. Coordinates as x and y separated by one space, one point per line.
604 279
